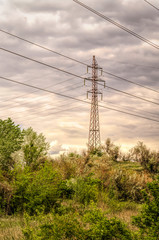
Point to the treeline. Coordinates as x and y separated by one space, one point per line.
74 196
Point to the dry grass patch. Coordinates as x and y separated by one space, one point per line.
10 228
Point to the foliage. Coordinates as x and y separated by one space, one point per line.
100 227
36 190
54 226
91 225
148 159
111 149
6 192
148 220
96 151
67 166
11 139
125 186
85 189
34 146
59 198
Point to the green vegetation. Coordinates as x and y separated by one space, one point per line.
148 220
11 138
102 194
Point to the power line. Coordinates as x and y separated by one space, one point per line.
152 5
42 63
128 63
128 108
132 95
124 79
38 45
118 25
37 112
77 99
75 75
121 94
26 103
26 94
75 60
63 110
122 107
45 48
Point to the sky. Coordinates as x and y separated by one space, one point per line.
66 27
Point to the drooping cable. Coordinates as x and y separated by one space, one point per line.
152 5
118 25
69 73
75 60
77 99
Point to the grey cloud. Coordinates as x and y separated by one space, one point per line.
66 27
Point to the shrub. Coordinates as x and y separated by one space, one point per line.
127 186
100 227
85 189
36 190
6 193
95 151
54 226
148 220
148 159
111 149
93 225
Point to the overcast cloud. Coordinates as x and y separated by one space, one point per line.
66 27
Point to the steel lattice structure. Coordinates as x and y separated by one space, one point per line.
94 127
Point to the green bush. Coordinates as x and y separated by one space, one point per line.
85 189
125 186
147 158
54 227
6 192
36 190
93 225
111 150
100 227
148 220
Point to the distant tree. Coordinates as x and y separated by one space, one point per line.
11 138
34 146
147 158
112 150
141 153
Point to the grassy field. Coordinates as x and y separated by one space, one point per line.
114 178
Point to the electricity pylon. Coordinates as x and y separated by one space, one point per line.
94 126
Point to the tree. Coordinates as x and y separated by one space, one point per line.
34 146
11 138
147 158
112 150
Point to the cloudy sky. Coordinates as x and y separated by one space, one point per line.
66 27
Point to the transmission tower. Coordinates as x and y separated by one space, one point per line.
94 127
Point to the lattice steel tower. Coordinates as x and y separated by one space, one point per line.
94 128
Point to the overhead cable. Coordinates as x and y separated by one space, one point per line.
75 60
152 5
118 25
72 74
77 99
